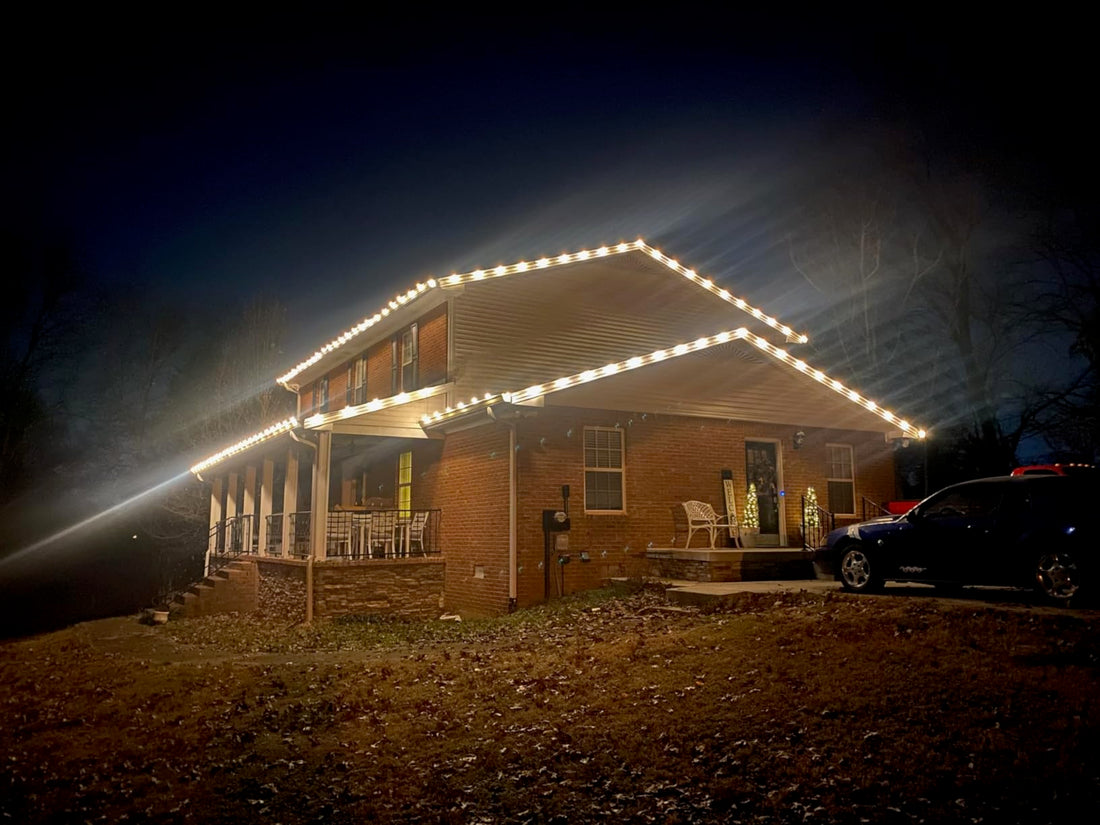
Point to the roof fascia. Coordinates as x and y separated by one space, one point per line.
295 377
532 394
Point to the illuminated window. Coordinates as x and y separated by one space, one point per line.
603 470
405 360
404 481
841 479
357 381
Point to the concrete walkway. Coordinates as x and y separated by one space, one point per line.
698 593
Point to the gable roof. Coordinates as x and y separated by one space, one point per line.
417 293
537 392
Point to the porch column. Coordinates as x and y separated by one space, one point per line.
267 479
232 502
249 506
290 498
217 513
319 519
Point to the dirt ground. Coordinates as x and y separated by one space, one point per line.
777 707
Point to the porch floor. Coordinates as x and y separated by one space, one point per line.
730 564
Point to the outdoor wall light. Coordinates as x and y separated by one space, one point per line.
799 438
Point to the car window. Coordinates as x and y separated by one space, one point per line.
971 501
1064 500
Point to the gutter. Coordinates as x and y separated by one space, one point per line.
512 555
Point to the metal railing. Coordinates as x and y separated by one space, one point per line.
349 534
871 509
382 534
817 523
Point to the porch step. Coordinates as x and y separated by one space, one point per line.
730 565
232 589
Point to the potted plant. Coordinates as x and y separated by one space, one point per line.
750 525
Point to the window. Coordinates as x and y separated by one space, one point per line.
841 479
405 360
603 470
322 395
404 481
357 381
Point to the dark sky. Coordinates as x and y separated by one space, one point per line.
302 156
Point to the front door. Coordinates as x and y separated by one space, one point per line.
762 472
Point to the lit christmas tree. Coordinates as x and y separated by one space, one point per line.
752 509
809 510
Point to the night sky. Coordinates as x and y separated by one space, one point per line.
302 157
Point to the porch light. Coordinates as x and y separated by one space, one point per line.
456 279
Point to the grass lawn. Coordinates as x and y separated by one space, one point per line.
609 706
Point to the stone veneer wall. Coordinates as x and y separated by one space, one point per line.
410 588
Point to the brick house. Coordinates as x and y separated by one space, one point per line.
431 437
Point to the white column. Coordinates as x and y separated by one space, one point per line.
267 480
248 506
319 517
290 497
232 504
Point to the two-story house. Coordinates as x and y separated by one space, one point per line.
432 436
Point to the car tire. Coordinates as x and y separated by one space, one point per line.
1057 578
856 570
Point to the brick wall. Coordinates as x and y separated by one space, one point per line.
432 363
432 333
411 588
668 459
469 482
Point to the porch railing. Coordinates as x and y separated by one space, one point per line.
817 523
378 534
349 534
871 509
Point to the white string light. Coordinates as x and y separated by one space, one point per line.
252 440
520 267
537 390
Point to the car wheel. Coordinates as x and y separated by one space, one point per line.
1057 577
856 570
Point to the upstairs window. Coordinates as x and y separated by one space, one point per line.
603 470
357 381
405 360
840 475
322 395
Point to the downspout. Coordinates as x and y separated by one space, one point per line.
309 558
512 555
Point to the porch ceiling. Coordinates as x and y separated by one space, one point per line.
730 380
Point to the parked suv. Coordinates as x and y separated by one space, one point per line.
1056 470
1026 530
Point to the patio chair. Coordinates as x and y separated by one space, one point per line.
701 516
417 525
360 535
381 534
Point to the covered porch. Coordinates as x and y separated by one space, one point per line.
323 495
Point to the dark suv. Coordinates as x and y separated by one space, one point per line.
1034 531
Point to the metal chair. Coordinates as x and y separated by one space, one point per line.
381 534
417 525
